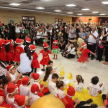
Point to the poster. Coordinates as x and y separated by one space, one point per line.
11 20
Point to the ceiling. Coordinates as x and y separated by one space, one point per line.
51 5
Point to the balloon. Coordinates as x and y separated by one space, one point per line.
62 73
48 102
69 76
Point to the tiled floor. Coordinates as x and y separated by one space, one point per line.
94 68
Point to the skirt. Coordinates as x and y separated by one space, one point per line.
35 64
45 61
55 51
17 58
96 99
9 56
2 57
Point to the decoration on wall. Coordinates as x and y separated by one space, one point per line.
11 20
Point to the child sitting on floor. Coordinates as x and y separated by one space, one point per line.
13 76
12 90
59 91
69 103
24 90
78 85
52 83
21 101
34 93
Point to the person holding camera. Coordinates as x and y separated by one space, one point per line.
92 41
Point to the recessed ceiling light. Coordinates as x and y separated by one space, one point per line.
14 4
70 12
79 14
41 8
70 5
101 14
57 10
85 9
105 2
95 12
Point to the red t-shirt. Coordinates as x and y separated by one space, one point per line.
55 46
85 51
18 50
68 102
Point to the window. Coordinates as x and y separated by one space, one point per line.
58 20
28 19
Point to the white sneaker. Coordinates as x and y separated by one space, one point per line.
84 65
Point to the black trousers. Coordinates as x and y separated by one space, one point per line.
27 74
106 53
81 105
100 53
92 48
70 56
38 41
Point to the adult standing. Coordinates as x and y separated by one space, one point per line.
105 34
25 62
79 43
92 41
71 33
17 31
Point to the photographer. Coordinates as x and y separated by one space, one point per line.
92 41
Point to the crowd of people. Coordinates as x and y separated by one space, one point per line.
18 47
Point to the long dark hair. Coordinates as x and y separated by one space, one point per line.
15 45
27 44
77 36
47 73
7 47
5 80
28 52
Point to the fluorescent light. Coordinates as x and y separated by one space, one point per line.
95 12
57 10
70 5
41 8
79 14
14 4
85 9
70 12
105 2
101 14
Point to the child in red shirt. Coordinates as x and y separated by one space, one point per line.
45 52
9 53
84 56
35 63
2 52
69 103
17 50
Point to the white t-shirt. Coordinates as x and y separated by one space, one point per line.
9 101
52 87
78 87
39 35
17 30
91 39
59 92
13 77
68 48
24 90
25 64
93 89
72 51
34 98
